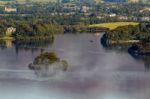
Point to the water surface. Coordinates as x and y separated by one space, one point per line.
94 72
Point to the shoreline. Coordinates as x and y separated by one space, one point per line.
123 41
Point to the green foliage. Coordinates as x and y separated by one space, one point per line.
139 32
46 58
36 30
2 28
48 62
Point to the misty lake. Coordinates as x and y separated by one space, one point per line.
94 72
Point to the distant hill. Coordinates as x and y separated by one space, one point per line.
132 1
31 0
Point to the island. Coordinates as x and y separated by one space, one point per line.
48 64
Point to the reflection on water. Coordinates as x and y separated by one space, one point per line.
34 44
147 63
145 59
6 44
141 52
26 45
117 47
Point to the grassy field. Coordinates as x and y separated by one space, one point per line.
113 25
6 38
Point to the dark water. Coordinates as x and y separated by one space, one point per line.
94 72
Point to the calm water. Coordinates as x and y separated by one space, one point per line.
94 72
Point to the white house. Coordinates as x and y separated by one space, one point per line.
10 30
112 15
10 9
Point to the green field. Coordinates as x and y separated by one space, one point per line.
113 25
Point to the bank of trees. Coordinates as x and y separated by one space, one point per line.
139 32
3 27
36 30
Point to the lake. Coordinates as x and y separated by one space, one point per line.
94 72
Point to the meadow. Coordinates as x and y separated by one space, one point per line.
113 25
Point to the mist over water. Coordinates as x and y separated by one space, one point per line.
93 73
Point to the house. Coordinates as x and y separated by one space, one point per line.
145 10
145 18
138 1
112 15
84 9
10 9
100 17
123 17
70 6
10 30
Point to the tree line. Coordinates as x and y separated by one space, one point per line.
139 32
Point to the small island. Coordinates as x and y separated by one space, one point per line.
48 64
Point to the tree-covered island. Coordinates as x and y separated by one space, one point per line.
48 64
